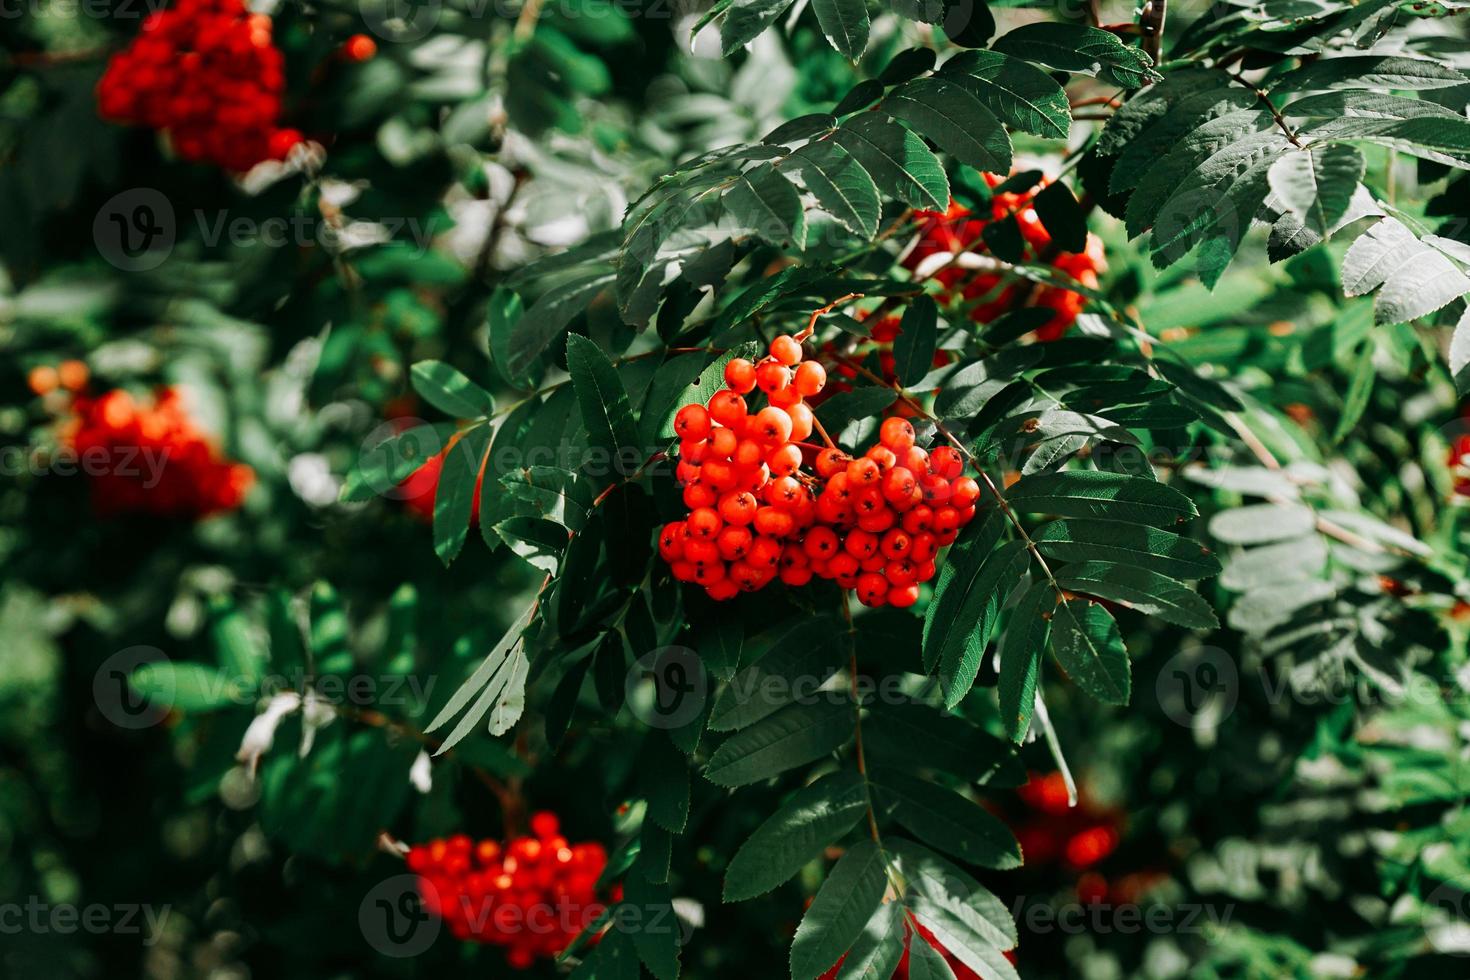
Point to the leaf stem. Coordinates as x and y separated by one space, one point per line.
857 717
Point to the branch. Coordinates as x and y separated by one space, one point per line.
1151 25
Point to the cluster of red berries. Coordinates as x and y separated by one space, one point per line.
532 895
152 458
207 73
960 230
1056 831
901 972
764 503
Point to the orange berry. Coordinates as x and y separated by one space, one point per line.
810 378
43 379
773 425
728 409
692 422
771 375
897 434
740 375
786 349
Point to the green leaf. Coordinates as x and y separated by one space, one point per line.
664 782
840 911
1417 279
563 702
1021 647
552 493
1128 544
746 20
805 653
845 24
1317 185
1173 165
966 919
841 186
186 686
613 958
797 834
907 64
693 384
955 119
952 744
540 325
899 162
449 391
653 927
385 464
970 552
604 403
1081 49
926 962
484 686
945 820
1368 71
913 348
794 736
1262 523
970 611
766 203
1141 589
1062 217
876 953
1360 389
1460 354
454 501
859 403
1086 642
1018 93
540 543
1110 496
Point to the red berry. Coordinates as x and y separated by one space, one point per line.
738 508
740 375
832 461
772 376
897 434
863 472
728 409
692 422
786 349
773 425
810 378
704 523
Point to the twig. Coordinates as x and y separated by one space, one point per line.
1266 101
1151 26
526 22
811 323
857 718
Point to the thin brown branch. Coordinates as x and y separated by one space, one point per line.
1265 100
1151 27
